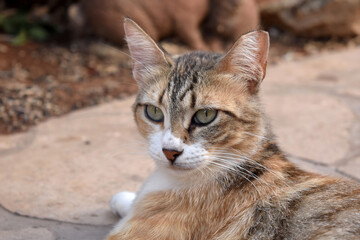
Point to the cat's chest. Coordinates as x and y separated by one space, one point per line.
159 180
170 217
191 211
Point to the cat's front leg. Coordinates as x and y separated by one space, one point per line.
121 203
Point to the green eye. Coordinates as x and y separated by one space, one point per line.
205 116
154 113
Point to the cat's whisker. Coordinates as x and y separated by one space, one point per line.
244 159
206 168
236 171
226 166
249 173
214 161
259 166
255 135
236 165
281 177
201 170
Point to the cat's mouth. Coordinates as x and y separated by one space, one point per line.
183 166
187 164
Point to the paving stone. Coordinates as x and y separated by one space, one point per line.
68 168
310 125
315 167
305 100
10 222
335 69
27 233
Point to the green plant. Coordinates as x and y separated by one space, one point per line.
20 25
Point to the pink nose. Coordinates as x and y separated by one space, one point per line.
171 155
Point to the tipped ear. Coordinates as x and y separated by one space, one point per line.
146 55
247 59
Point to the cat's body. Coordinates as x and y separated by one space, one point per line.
219 174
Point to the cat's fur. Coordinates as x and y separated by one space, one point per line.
231 181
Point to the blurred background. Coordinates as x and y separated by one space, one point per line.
57 56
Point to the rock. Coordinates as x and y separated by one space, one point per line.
313 18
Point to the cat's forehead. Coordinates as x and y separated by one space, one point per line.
192 62
203 60
188 72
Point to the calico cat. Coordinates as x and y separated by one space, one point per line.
220 174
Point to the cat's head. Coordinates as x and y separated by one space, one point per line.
199 108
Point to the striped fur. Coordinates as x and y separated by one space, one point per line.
232 181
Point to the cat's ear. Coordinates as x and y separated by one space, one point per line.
247 59
147 57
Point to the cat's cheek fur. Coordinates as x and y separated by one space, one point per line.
194 156
155 148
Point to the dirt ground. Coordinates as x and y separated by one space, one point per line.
38 81
41 80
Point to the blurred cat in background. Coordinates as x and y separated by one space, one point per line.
189 20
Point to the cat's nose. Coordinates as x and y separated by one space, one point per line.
171 155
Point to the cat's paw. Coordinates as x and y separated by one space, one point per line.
121 203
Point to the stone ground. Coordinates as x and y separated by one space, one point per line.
57 179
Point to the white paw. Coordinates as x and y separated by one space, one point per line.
121 203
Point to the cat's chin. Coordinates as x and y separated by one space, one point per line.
180 170
180 167
184 176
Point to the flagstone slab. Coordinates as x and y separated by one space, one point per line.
27 233
314 103
352 168
311 125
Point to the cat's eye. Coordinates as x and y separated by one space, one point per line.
204 116
154 113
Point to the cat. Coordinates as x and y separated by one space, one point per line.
186 19
219 173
